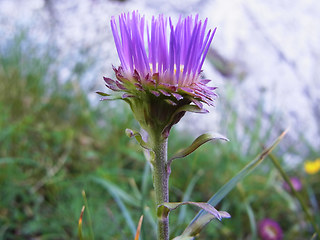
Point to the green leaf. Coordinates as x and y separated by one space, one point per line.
202 218
197 226
131 133
165 208
185 108
202 139
191 108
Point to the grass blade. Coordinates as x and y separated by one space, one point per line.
80 224
186 197
138 228
89 215
115 194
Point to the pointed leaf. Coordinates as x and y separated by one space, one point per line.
202 218
165 208
131 133
111 98
196 144
191 108
201 223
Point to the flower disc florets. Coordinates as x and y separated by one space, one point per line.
160 65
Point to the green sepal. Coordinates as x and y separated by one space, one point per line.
202 139
190 108
111 98
102 94
203 218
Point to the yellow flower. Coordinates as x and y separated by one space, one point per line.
312 167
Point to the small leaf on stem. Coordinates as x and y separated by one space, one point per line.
202 139
165 208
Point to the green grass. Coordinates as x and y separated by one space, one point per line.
54 144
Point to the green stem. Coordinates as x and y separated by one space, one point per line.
161 180
295 193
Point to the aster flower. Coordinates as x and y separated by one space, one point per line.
269 230
160 78
161 64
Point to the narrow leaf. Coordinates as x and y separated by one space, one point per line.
202 218
165 208
202 139
185 108
117 194
131 133
138 228
111 98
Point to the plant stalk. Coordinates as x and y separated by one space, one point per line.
295 193
161 180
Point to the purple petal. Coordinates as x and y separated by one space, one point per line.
157 94
177 96
164 92
205 81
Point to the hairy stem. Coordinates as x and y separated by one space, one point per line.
160 180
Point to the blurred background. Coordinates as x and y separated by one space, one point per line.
57 138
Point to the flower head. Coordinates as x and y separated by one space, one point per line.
160 66
269 230
296 183
312 167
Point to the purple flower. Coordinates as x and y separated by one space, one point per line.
269 230
296 183
160 65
